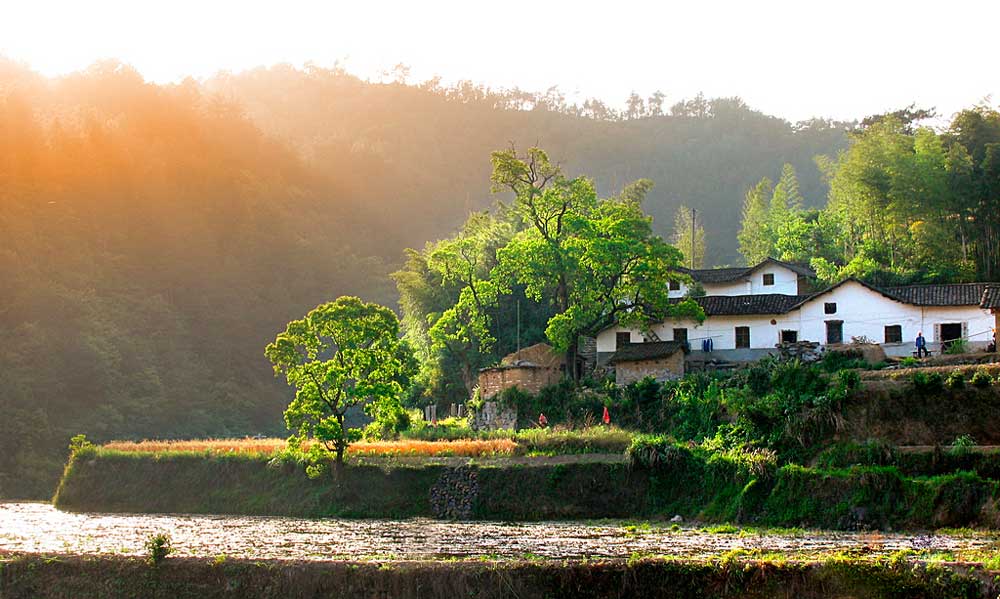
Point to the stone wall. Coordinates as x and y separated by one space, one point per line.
494 417
661 369
528 378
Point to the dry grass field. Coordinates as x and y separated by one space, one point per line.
464 448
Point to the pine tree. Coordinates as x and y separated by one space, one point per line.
682 238
755 236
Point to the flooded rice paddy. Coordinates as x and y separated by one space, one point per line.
39 528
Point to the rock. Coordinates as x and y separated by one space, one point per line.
677 518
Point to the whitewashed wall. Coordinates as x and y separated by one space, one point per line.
863 311
786 282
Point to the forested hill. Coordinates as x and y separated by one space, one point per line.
415 159
155 238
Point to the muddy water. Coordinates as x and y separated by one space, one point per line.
38 527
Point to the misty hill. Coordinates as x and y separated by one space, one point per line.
415 159
156 237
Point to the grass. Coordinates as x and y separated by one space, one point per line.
742 573
530 442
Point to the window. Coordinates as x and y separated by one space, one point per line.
675 286
769 278
830 308
834 331
742 337
894 333
789 336
681 335
622 339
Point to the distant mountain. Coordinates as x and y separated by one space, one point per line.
415 159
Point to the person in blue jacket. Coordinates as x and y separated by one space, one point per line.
921 345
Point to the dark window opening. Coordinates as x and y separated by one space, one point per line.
742 337
830 307
835 331
622 339
950 332
681 335
894 333
789 336
675 285
769 279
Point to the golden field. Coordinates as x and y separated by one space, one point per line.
463 447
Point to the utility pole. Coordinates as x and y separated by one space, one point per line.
694 214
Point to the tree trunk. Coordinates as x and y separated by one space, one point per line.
341 442
571 353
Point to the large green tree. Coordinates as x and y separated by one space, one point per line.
343 354
596 261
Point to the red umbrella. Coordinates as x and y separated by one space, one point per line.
607 416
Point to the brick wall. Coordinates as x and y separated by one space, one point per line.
530 379
670 367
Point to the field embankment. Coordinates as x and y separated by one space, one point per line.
901 413
677 479
33 576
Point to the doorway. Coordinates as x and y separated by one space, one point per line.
950 332
834 331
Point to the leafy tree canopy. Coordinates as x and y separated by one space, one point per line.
343 354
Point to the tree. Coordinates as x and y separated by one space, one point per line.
754 236
343 354
690 240
596 261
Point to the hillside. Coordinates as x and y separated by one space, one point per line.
419 155
156 237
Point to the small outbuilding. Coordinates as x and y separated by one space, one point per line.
661 360
529 369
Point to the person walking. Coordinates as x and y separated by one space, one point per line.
921 345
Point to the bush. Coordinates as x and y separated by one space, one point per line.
981 379
909 362
924 382
158 547
958 346
963 442
955 380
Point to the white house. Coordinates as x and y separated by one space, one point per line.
748 326
770 276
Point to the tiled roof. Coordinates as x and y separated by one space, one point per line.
991 297
727 275
634 352
770 303
715 275
959 294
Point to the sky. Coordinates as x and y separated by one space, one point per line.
841 59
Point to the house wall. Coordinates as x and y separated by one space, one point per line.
530 379
786 282
661 369
863 311
867 313
606 339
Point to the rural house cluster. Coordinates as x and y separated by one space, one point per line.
750 312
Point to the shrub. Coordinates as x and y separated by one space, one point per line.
909 362
158 547
78 443
924 382
958 346
955 380
963 442
981 379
